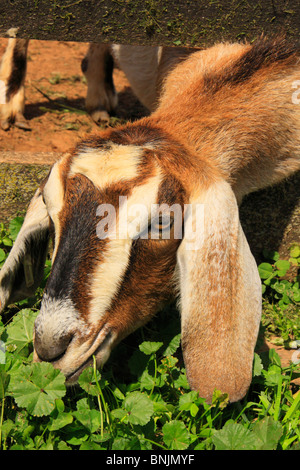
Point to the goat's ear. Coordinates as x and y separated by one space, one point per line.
220 296
23 270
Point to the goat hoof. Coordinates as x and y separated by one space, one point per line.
22 123
100 116
5 124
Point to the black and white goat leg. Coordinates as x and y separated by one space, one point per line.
12 74
97 67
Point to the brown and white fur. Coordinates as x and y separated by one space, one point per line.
144 66
225 126
12 74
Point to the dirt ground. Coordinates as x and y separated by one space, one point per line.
54 73
53 80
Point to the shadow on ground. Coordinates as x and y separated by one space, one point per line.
271 218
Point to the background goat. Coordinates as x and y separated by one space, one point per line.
225 126
144 66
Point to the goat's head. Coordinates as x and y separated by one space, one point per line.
118 258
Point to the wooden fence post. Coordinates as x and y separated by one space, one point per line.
170 22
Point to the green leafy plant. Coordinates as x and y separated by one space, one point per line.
7 237
36 387
281 291
273 276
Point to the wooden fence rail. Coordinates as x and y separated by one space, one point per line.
179 22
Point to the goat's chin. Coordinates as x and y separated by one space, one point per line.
74 361
101 355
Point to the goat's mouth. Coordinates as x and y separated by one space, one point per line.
101 354
77 358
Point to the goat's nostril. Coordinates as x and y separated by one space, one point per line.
51 349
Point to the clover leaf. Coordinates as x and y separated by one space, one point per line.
36 387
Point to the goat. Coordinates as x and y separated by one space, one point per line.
225 126
12 74
144 66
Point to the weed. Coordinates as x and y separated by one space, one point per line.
281 295
55 78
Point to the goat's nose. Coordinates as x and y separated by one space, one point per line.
51 349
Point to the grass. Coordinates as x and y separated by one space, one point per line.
141 399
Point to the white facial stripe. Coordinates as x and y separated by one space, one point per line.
107 166
54 198
107 278
110 272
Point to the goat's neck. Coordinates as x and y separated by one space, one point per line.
201 136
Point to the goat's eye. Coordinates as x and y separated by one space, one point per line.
160 226
164 221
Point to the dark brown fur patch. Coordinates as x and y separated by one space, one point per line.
262 54
109 67
19 64
138 134
80 250
171 192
